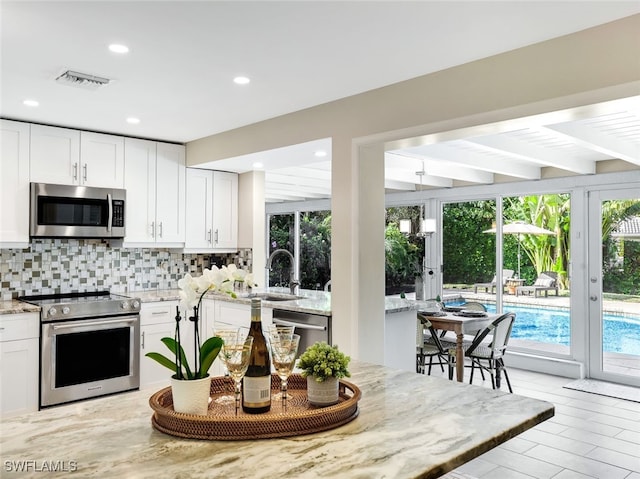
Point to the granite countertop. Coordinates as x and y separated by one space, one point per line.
14 307
409 425
312 301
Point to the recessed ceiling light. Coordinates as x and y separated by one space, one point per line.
133 121
116 48
241 80
257 165
320 153
31 103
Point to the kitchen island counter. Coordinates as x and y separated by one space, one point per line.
409 426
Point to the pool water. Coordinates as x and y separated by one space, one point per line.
621 334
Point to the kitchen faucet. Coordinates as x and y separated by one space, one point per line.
293 283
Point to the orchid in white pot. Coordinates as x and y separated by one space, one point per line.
192 290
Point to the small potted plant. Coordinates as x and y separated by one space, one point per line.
191 384
323 365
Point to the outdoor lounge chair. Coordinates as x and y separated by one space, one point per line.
546 281
491 287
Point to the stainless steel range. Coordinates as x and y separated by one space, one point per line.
89 345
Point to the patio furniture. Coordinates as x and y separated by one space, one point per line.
430 345
491 287
545 282
489 356
460 325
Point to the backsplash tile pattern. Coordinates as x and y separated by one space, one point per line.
52 266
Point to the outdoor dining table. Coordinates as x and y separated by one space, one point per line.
460 325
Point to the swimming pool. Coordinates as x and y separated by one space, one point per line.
621 334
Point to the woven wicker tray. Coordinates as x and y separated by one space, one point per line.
221 423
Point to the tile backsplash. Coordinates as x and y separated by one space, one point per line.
52 266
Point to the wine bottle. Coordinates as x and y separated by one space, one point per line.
256 384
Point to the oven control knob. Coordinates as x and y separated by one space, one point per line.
125 305
65 310
135 304
52 311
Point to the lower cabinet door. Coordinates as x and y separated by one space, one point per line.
152 374
19 376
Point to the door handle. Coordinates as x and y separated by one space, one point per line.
142 340
593 297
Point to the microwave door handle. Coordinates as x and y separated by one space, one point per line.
110 220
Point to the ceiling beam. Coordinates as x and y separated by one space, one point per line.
592 138
521 150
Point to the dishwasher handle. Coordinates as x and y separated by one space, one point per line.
299 325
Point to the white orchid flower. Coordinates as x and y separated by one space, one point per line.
188 299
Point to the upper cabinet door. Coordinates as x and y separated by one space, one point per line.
55 155
140 182
225 210
101 160
14 184
199 233
170 193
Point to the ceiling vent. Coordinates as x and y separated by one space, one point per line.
82 80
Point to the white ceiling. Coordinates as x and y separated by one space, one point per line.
177 77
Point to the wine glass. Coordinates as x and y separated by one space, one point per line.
237 353
281 332
283 354
227 335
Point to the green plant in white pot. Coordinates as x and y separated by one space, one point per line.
323 365
190 383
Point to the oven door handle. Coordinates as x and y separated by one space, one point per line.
82 324
299 325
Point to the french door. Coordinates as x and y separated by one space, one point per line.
613 288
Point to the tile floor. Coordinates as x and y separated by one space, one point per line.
590 436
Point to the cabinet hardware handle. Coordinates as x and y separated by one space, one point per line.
153 229
84 174
216 236
209 236
161 229
142 340
75 171
158 312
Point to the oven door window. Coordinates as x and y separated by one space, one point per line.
57 211
92 356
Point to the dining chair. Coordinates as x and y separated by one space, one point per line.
491 353
430 345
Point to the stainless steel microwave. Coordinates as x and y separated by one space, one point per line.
61 211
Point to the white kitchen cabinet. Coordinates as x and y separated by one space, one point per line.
101 160
155 184
225 211
70 157
14 184
55 155
19 363
157 321
212 211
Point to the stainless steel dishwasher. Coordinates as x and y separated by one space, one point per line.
310 327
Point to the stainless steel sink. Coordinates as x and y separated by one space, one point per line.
275 296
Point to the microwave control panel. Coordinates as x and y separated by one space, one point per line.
118 214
